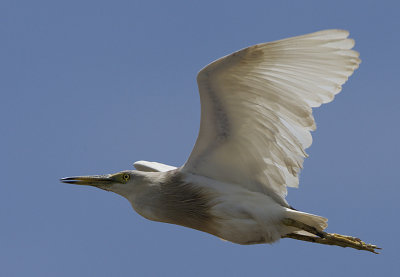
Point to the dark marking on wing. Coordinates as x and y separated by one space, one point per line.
222 121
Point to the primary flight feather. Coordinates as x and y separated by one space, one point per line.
256 118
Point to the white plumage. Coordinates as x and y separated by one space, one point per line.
256 105
152 166
256 118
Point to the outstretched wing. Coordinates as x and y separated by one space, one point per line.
152 166
256 114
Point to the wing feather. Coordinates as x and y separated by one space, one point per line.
256 108
152 166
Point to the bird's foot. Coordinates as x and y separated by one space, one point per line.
327 238
353 242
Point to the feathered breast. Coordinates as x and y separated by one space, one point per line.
186 204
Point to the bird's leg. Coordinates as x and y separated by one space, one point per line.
300 225
327 238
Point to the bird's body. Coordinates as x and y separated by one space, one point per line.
221 209
256 118
225 210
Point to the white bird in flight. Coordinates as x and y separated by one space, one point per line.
256 119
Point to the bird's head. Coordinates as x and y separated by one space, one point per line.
123 183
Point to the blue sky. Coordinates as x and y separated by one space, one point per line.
89 87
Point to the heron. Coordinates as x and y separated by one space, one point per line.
256 119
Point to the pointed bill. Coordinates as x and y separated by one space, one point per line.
94 180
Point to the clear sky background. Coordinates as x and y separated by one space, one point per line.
89 87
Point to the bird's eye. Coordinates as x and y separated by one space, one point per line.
125 177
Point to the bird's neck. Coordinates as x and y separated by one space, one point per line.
144 195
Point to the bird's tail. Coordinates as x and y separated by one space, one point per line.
318 222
